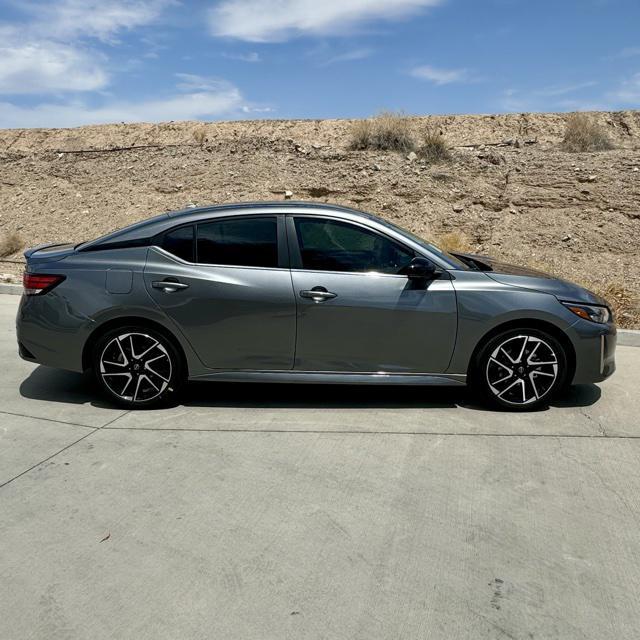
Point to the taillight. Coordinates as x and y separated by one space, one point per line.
37 283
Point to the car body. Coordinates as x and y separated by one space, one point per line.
302 292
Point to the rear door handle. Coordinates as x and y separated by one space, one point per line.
318 294
169 286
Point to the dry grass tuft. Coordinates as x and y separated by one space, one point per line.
583 134
454 242
434 147
388 131
623 303
625 306
10 244
200 136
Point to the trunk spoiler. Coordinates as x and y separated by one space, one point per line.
45 245
49 252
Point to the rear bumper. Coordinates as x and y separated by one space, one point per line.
595 347
49 334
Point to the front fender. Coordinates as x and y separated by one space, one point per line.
484 305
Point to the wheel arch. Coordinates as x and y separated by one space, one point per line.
524 323
127 321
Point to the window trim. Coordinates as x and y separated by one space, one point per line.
296 255
281 239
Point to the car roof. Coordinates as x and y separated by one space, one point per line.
280 205
150 227
143 233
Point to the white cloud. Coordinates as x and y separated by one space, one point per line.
41 67
192 82
278 20
628 92
551 99
560 98
248 109
439 76
243 57
561 90
100 19
628 52
217 99
49 53
349 56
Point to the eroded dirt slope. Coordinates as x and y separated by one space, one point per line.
510 189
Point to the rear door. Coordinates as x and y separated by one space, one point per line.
226 283
357 312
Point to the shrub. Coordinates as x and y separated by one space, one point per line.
388 131
10 244
200 136
625 306
454 242
434 147
583 134
361 134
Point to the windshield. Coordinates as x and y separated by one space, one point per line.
451 260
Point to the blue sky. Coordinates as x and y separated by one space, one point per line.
74 62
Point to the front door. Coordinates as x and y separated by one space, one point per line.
356 311
226 284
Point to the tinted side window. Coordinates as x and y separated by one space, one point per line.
329 245
247 242
179 242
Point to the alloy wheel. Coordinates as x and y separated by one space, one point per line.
522 370
135 367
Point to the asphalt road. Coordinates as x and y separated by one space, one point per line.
296 512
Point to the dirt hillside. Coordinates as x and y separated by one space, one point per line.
509 191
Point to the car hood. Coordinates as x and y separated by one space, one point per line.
525 278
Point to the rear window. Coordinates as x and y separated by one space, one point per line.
179 242
246 242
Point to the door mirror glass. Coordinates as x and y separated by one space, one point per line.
421 269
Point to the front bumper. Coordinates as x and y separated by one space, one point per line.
595 348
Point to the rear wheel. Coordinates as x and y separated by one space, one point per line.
137 367
520 370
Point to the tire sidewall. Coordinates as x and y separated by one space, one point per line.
479 377
176 381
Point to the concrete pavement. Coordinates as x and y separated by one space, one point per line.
312 512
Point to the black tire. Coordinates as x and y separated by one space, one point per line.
519 370
137 367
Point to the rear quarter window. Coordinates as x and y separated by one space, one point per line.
180 243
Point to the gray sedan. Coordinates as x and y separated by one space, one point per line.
304 292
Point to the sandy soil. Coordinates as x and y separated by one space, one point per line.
528 201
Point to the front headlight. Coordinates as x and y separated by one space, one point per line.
590 312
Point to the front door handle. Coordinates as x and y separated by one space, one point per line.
318 294
169 286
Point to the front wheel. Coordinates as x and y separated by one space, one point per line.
520 370
137 367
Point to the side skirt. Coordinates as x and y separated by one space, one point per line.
329 377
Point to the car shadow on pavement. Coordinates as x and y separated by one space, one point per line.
319 396
56 385
53 385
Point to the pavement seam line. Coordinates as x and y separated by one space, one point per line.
71 424
380 433
53 455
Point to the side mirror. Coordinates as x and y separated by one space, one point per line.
421 269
